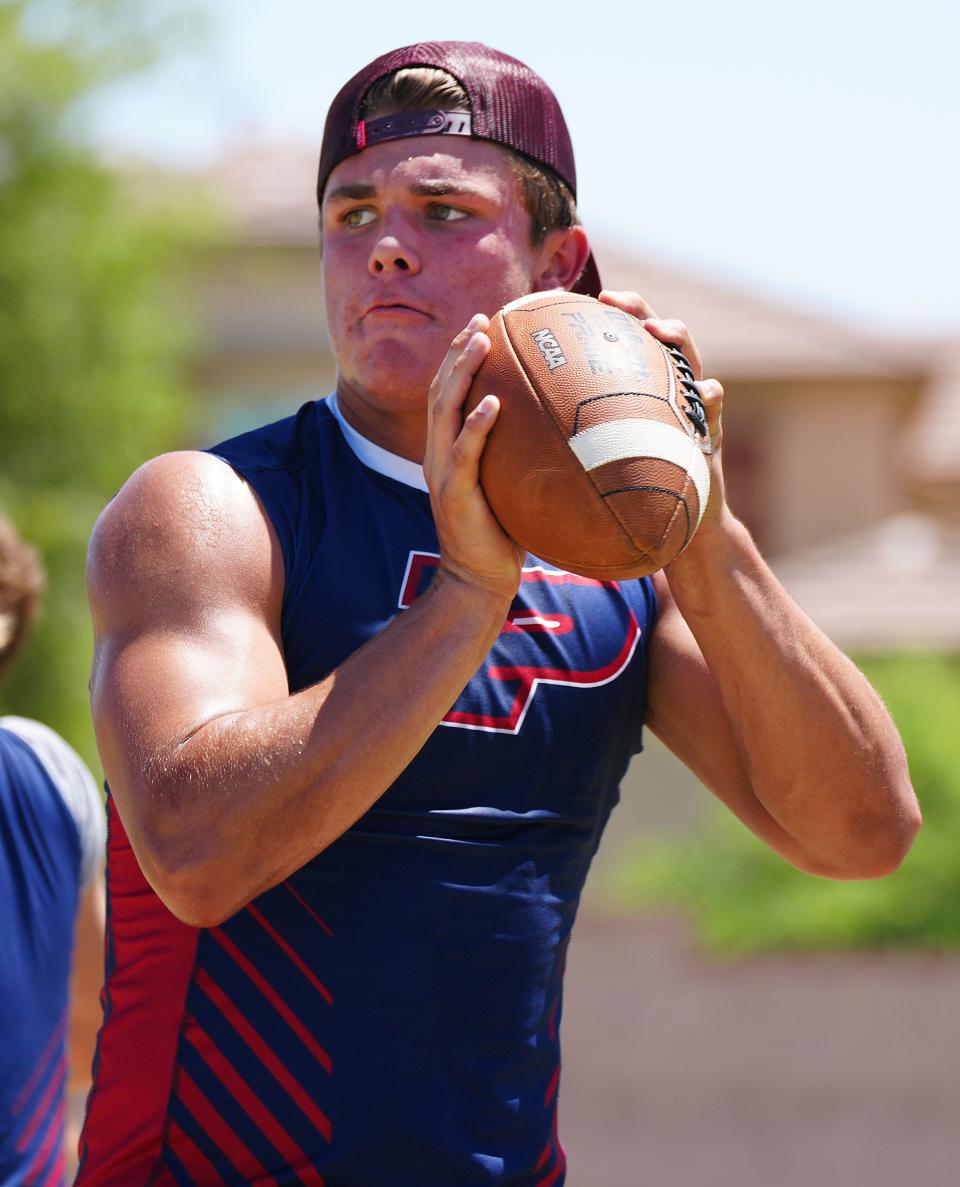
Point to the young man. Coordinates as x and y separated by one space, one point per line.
348 829
51 853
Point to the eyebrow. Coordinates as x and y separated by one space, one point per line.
442 189
361 191
353 192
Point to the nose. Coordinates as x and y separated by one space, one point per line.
390 254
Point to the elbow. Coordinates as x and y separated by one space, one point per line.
192 891
186 870
908 824
871 853
194 901
895 840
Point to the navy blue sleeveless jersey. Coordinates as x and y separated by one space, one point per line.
49 845
390 1014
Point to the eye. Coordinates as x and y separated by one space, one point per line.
446 214
358 218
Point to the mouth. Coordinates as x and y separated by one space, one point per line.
398 309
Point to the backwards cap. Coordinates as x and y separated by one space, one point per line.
509 105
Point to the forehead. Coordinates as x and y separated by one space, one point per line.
416 159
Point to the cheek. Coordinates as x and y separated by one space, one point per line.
336 270
504 260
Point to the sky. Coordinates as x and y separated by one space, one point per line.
810 153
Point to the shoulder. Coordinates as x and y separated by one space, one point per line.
73 781
182 519
189 489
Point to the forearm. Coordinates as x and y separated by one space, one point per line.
251 796
815 743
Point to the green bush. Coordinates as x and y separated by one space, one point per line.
741 897
92 342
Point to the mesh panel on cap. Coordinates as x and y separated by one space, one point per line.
510 104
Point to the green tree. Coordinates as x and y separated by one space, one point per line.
741 897
91 346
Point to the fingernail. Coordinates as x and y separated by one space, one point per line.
474 322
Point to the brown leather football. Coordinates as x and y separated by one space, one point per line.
596 463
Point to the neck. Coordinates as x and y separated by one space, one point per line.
401 430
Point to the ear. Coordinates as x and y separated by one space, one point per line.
562 257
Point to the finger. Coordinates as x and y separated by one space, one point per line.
711 393
465 455
477 323
629 302
450 387
676 332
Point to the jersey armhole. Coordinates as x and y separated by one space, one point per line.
70 776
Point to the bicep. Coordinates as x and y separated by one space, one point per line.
153 688
185 596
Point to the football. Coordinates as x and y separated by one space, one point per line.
597 460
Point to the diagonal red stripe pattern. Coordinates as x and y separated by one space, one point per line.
306 906
42 1112
294 956
189 1153
43 1063
218 1064
256 1044
54 1134
215 1125
55 1177
273 997
552 1086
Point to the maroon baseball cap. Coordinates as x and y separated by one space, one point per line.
509 104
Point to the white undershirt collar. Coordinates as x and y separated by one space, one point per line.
375 456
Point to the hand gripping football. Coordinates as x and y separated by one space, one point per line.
597 461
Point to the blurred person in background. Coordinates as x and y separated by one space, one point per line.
360 750
52 837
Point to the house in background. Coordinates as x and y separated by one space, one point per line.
842 448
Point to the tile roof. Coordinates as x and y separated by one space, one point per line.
931 445
895 586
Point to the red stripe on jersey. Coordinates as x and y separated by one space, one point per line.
294 956
54 1134
554 1174
42 1063
150 962
190 1155
218 1130
256 1044
306 906
55 1178
552 1086
250 1103
561 1164
552 1020
274 998
44 1105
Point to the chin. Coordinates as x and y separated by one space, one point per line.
398 377
388 389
